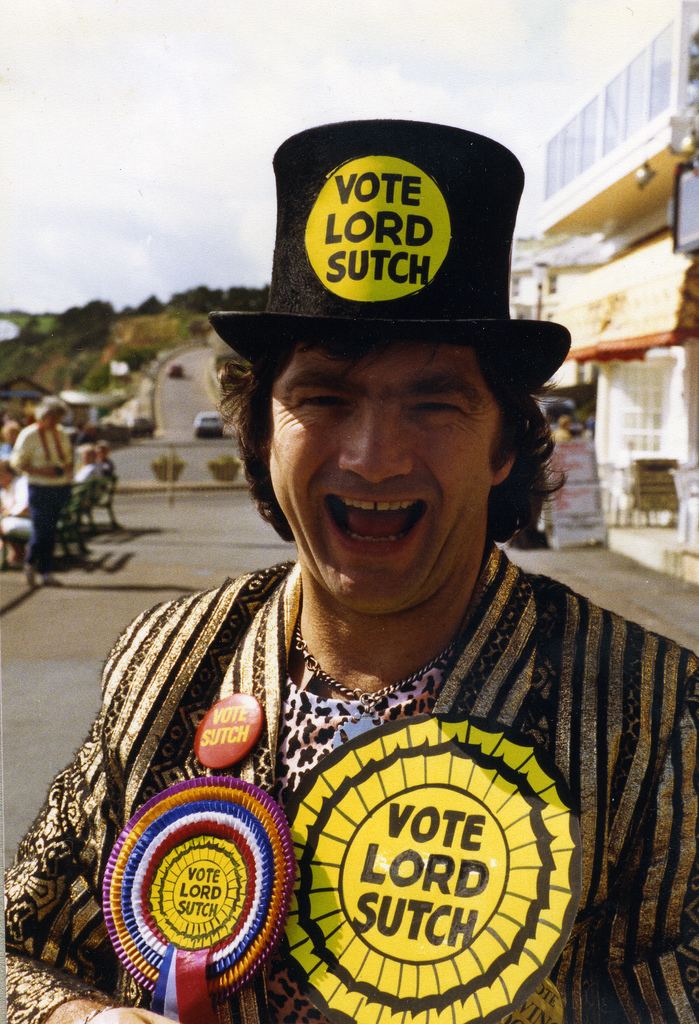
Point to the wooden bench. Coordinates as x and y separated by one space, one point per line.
77 520
100 497
69 531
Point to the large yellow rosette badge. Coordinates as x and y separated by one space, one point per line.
439 875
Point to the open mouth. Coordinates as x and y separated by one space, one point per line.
374 520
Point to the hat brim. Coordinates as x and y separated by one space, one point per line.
530 350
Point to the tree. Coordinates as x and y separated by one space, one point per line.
150 307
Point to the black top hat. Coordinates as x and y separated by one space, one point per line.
396 230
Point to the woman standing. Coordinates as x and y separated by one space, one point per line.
43 451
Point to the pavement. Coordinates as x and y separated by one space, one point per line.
55 639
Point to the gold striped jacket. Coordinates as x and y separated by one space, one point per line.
615 705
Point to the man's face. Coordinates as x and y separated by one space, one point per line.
383 470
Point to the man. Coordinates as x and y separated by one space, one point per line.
388 425
43 451
563 431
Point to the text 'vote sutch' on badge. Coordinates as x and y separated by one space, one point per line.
378 230
439 866
229 730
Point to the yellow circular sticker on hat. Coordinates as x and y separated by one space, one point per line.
379 230
438 874
199 891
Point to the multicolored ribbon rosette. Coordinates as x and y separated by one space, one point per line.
196 892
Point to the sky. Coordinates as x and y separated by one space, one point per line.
138 135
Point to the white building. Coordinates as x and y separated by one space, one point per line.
634 311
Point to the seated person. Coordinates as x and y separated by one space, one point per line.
88 468
15 524
8 435
104 462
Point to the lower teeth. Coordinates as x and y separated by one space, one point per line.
375 540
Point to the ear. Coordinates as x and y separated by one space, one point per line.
502 471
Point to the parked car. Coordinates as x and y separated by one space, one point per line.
175 370
208 424
141 426
553 407
114 433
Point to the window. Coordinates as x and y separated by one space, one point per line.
642 388
613 114
553 162
588 135
693 83
570 151
661 58
636 105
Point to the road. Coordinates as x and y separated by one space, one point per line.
177 401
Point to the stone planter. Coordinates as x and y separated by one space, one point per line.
226 468
167 470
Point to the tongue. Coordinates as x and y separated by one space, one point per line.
377 524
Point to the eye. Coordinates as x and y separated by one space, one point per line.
437 407
322 400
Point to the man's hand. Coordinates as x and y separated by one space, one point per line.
78 1010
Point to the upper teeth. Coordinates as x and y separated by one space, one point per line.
378 506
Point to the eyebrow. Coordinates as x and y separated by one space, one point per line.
316 378
445 384
430 384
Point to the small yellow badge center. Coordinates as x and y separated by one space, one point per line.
198 892
379 230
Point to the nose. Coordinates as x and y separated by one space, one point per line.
375 444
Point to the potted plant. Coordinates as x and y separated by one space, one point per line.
167 467
224 467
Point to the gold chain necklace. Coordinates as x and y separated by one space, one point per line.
368 701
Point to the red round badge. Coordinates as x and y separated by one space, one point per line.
229 731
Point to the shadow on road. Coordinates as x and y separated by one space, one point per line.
143 588
107 562
17 601
124 535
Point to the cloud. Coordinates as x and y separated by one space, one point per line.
124 121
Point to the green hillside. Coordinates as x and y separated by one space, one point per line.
74 348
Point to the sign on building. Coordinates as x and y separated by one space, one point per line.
576 516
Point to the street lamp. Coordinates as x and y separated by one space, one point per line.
644 175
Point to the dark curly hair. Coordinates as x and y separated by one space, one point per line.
246 390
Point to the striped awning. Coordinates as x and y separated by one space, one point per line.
631 348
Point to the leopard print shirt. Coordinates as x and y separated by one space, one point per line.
308 726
